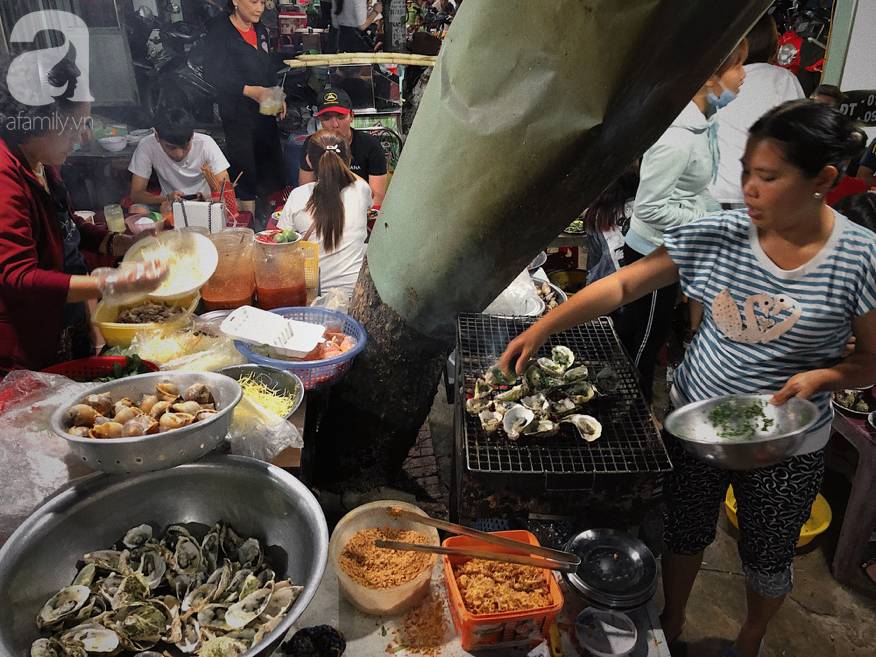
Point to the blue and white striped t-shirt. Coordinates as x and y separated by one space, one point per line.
762 324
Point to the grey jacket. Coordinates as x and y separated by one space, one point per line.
674 179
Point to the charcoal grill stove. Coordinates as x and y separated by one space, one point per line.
630 443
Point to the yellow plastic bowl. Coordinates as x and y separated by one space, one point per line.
818 522
120 335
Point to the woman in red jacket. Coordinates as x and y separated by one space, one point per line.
43 278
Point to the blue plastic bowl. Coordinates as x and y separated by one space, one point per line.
314 373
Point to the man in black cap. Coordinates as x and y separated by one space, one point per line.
335 113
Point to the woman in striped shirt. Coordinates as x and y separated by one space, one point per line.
785 284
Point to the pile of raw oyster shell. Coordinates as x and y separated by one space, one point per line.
212 598
168 408
551 392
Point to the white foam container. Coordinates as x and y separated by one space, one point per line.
287 337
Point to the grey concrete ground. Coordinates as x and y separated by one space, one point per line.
820 619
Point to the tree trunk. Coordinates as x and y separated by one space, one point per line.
374 413
394 16
529 115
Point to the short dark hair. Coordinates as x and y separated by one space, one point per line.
175 126
20 122
829 90
859 208
811 135
763 41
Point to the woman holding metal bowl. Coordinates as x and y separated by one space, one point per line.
44 282
784 284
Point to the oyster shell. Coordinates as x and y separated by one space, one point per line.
550 367
563 406
607 380
249 554
81 432
133 588
204 414
46 648
576 374
153 565
229 541
85 576
186 556
475 405
490 420
536 403
137 536
95 638
581 393
223 646
495 376
482 389
249 608
190 640
285 593
212 617
562 356
232 592
112 560
589 428
516 420
64 603
510 395
199 597
251 584
542 428
210 549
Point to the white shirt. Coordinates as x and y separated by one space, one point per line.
340 268
354 14
765 87
185 176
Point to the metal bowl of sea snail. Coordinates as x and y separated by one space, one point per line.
148 422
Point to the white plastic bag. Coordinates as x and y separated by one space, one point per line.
34 462
260 434
337 298
518 299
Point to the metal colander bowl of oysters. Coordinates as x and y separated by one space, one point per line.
215 558
742 432
148 422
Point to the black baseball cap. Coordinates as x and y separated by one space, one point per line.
334 100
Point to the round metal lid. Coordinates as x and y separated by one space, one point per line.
614 565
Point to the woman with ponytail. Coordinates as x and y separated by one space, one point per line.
333 211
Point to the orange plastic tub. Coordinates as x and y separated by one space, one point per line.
513 628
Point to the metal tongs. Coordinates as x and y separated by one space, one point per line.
521 552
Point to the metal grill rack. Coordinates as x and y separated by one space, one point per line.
629 444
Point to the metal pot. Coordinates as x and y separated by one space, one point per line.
282 380
790 424
617 571
91 513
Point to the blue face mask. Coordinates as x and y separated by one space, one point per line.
727 96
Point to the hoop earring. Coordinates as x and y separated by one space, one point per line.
818 195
